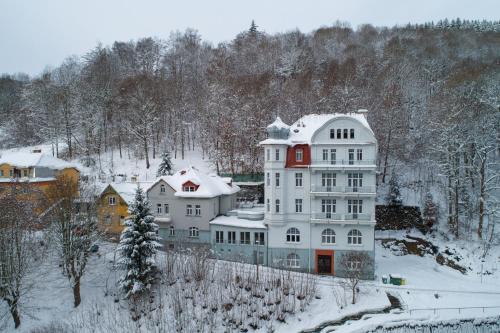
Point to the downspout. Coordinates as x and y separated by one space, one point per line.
310 214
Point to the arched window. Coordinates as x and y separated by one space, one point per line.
162 188
172 231
194 232
292 261
293 235
354 237
328 236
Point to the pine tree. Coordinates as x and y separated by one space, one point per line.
253 28
138 246
394 195
430 212
166 166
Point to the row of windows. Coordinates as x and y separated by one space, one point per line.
259 237
345 133
293 261
328 206
194 232
276 155
17 174
327 179
352 154
197 210
354 236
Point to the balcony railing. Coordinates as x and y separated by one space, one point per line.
341 217
341 163
343 189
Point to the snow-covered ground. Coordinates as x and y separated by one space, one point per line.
51 299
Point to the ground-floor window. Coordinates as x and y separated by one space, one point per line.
292 261
259 238
231 237
219 236
194 232
245 237
171 231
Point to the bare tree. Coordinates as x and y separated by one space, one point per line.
73 228
19 250
355 266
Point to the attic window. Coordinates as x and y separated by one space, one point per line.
162 188
112 201
189 189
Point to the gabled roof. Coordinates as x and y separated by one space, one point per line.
209 186
33 160
303 130
125 190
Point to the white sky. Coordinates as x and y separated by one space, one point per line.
37 33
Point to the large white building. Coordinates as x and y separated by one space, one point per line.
320 177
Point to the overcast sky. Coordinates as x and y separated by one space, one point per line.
39 33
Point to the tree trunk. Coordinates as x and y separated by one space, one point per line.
76 292
14 312
481 200
386 156
354 295
146 152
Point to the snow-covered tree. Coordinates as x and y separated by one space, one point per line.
394 195
166 166
138 246
430 211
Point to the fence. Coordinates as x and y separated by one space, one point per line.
459 310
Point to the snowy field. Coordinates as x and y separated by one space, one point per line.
50 301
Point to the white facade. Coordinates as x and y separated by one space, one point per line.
320 173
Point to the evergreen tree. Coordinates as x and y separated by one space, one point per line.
394 195
430 212
138 246
166 166
253 28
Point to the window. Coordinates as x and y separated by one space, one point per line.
359 154
268 205
328 236
219 237
197 210
25 173
171 231
354 180
355 207
194 232
333 156
107 219
268 179
158 208
298 179
325 154
268 154
292 261
351 133
293 235
328 180
351 156
328 206
231 237
112 200
189 210
277 154
122 220
298 155
259 238
162 188
345 133
298 205
354 237
277 205
332 134
1 173
166 209
277 180
189 189
339 133
245 237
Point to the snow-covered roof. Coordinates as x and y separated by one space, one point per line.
278 123
234 221
125 190
209 186
303 130
29 160
27 180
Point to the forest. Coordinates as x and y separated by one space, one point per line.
432 91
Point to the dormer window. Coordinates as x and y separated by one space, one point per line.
298 155
189 189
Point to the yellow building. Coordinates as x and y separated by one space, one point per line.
31 175
113 204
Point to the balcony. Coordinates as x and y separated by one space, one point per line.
343 190
342 218
341 164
